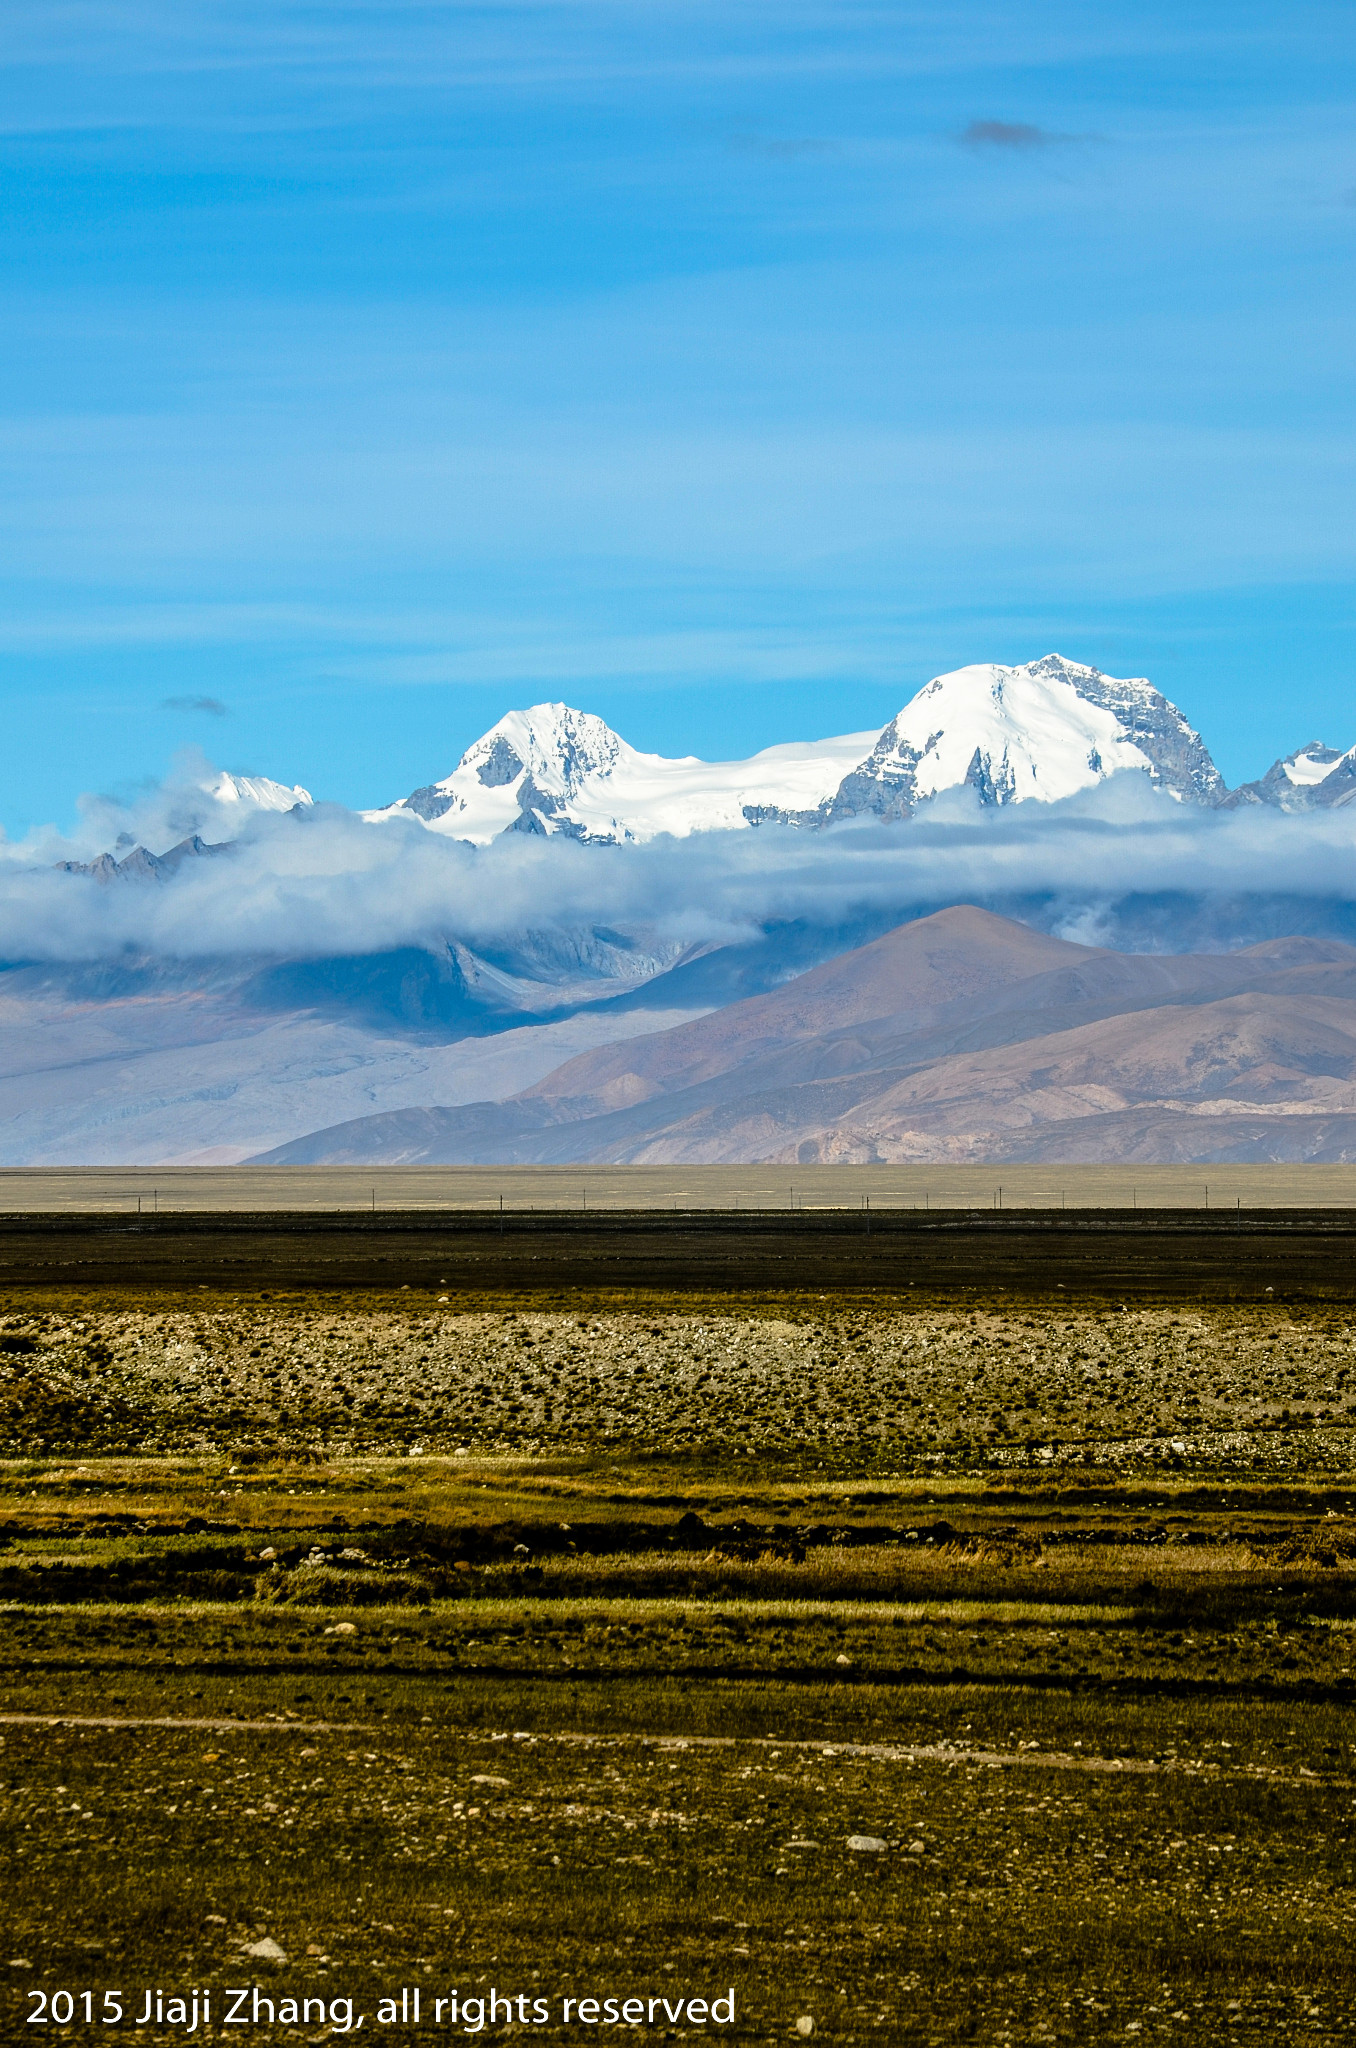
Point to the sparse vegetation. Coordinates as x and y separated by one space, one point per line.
1056 1602
865 1385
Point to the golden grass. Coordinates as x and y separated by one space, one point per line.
545 1610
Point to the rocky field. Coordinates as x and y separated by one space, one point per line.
914 1671
860 1383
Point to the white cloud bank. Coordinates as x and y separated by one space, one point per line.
325 883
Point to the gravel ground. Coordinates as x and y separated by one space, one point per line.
878 1384
884 1899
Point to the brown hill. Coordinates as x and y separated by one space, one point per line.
959 1036
1224 1078
961 955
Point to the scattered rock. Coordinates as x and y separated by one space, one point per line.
266 1951
867 1845
805 2026
343 1628
482 1779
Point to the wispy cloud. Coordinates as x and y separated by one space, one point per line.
212 707
1020 138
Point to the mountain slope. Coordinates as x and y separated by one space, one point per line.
960 955
1312 778
1268 1056
993 1042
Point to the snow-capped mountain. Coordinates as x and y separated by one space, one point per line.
554 770
256 792
1314 778
1041 731
238 795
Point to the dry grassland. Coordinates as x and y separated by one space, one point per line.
569 1648
855 1384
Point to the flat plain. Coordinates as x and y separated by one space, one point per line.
922 1666
195 1190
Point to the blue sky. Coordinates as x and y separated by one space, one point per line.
727 370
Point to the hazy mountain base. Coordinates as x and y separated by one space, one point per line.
1091 1736
956 1037
187 1076
138 1059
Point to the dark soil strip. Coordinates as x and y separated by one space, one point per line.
1300 1692
1292 1253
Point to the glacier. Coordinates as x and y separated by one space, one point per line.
1042 730
554 770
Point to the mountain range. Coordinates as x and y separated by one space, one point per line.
960 1036
1311 779
1041 731
736 980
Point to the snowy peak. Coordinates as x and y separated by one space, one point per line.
1041 731
560 772
1310 766
526 774
1313 778
256 792
559 748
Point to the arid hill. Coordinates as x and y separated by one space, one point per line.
961 1036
